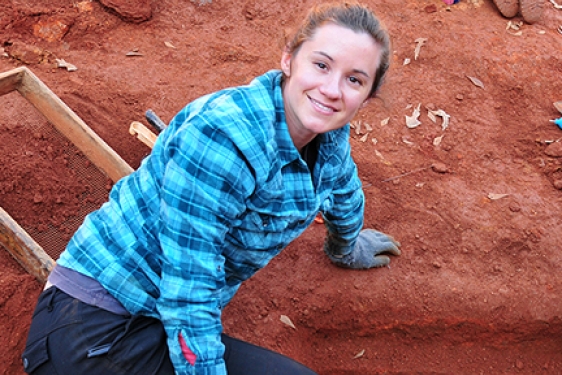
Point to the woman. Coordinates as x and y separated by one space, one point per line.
234 178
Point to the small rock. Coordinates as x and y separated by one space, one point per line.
431 8
514 207
130 11
557 184
554 150
37 198
519 364
437 265
459 97
439 167
27 54
52 29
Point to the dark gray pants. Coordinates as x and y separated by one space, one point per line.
68 336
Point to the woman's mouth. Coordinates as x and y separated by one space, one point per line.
321 107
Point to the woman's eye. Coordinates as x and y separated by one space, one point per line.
321 65
355 80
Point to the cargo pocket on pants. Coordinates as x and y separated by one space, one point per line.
35 355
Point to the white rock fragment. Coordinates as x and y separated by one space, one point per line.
413 120
63 64
285 320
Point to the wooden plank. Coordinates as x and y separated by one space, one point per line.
73 127
10 80
23 248
143 134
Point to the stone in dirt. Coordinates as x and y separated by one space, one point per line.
554 150
135 11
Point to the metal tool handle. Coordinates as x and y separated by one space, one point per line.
155 121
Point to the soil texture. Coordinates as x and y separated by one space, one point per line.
473 193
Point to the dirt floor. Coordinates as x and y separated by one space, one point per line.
478 287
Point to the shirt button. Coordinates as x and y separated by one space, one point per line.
25 363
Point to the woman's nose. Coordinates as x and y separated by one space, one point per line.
331 87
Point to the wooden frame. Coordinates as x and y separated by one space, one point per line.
12 237
142 133
23 248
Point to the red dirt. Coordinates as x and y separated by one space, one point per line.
478 287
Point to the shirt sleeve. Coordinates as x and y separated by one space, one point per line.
203 189
344 216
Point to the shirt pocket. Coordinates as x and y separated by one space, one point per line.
262 231
267 223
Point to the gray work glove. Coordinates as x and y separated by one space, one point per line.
366 251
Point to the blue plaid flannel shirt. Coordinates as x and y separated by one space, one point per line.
223 191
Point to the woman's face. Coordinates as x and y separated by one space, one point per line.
327 80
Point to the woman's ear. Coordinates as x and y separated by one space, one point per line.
286 63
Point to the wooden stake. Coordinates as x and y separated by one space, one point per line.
23 248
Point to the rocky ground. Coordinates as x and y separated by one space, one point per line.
475 201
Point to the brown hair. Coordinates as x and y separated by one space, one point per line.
353 16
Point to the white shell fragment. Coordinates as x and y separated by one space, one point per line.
476 81
555 5
413 121
358 127
494 196
437 140
169 45
441 113
360 354
558 106
406 61
419 43
364 138
431 116
285 320
385 121
514 25
63 64
409 143
134 52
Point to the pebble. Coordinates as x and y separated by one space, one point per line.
514 207
439 167
130 11
554 149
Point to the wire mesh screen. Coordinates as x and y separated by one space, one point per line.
46 184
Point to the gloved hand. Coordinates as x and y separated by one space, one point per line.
366 251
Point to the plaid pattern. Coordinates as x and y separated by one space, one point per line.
223 191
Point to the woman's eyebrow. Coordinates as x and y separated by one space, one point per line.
358 71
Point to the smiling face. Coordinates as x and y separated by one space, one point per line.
327 80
